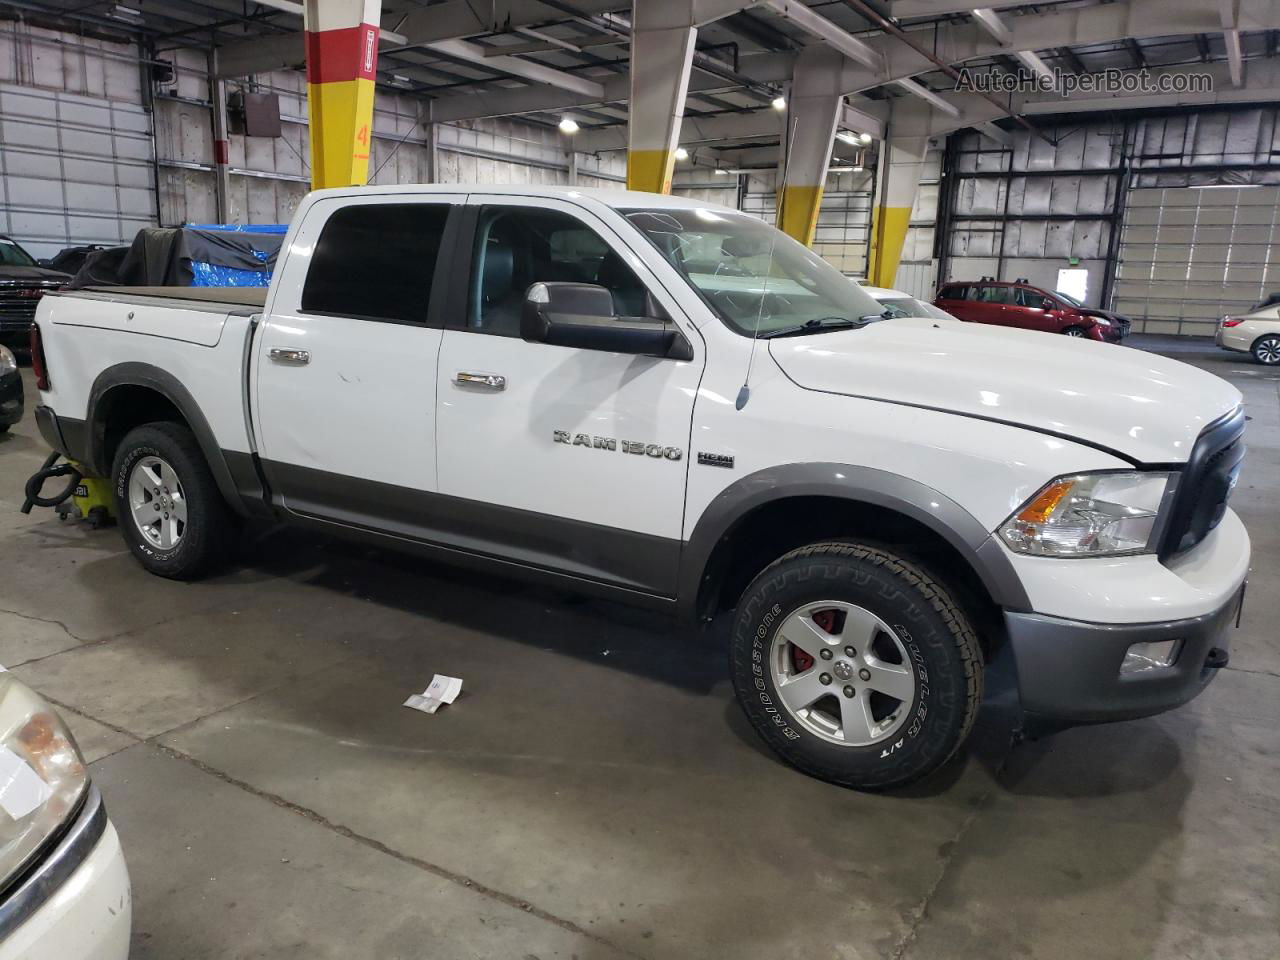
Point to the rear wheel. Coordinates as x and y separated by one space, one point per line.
855 666
1266 350
171 513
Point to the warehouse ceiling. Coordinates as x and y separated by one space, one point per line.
543 59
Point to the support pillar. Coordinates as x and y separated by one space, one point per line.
221 142
662 43
812 113
342 54
898 176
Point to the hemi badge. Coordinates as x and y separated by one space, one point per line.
715 460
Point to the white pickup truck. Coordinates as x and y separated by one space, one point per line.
670 403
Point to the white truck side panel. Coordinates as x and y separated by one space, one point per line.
78 348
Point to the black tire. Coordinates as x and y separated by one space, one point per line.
1073 332
211 528
1266 350
946 657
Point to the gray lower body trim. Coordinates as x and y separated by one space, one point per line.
1069 670
584 552
54 866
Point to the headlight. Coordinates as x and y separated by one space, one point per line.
1089 515
1102 321
42 775
7 362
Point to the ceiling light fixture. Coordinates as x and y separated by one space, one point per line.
865 137
779 103
569 125
682 153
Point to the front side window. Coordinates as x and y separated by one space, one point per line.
517 247
12 255
755 278
375 261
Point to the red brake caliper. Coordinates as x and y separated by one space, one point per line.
826 619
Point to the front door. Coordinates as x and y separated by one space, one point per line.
345 362
561 457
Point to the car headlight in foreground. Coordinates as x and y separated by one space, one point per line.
42 775
7 362
1089 515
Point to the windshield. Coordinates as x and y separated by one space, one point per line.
12 255
1068 298
757 279
911 307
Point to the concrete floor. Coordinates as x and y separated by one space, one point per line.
595 793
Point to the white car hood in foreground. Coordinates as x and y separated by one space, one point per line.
1141 405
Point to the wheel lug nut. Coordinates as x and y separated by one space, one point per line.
824 654
824 679
865 674
850 652
849 692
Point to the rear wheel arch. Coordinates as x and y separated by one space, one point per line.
128 395
765 515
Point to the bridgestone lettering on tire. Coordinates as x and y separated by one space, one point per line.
166 456
855 665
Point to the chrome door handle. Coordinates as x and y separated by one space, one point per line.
487 381
289 355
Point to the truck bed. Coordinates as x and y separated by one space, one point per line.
217 299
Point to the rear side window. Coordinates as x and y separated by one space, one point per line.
996 294
954 292
375 261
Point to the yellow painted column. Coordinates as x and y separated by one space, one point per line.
901 162
662 43
342 56
813 110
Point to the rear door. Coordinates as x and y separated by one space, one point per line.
989 305
561 457
345 361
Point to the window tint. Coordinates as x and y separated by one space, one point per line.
996 294
12 255
956 292
1030 298
376 260
517 247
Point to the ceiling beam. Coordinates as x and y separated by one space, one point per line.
524 69
918 89
1229 13
819 27
990 21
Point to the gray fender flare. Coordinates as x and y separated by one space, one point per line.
866 485
170 387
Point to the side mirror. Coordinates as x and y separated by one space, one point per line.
1047 304
582 315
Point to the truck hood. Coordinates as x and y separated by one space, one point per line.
1138 404
16 274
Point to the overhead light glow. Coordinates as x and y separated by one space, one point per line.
682 153
120 12
568 125
848 137
865 137
779 103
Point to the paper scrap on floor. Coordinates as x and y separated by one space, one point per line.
440 691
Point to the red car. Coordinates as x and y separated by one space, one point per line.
1019 304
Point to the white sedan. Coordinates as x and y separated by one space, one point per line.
64 888
899 304
1256 332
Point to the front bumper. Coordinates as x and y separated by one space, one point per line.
76 902
1069 670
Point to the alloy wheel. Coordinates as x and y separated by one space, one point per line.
156 502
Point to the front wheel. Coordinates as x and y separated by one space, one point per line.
171 513
855 666
1073 332
1266 350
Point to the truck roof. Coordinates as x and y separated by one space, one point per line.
610 197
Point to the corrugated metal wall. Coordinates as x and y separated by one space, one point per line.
75 143
919 267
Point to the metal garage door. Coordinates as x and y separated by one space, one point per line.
1188 256
843 233
73 169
